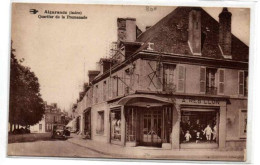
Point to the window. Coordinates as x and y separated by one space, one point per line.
131 123
208 80
202 79
199 126
115 116
40 127
181 78
104 91
221 86
242 83
100 122
115 86
168 77
243 123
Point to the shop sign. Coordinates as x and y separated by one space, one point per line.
200 101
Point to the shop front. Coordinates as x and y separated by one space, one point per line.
147 121
199 127
160 122
202 122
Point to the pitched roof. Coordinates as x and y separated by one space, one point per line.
170 35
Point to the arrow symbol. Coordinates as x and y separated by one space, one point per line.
33 11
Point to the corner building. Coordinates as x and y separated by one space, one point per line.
185 73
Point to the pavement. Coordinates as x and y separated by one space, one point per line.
139 152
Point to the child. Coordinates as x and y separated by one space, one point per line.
215 132
187 136
208 131
198 138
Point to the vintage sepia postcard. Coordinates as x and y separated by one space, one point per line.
129 81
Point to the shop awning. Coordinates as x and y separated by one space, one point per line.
70 124
144 100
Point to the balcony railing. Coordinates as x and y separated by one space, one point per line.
211 90
169 87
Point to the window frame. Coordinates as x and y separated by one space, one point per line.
184 78
167 79
205 81
241 125
219 70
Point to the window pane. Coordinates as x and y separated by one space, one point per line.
221 87
180 85
202 74
202 86
221 76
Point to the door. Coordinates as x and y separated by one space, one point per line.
152 126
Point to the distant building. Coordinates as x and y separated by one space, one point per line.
51 116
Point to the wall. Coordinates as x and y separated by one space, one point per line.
35 128
192 83
233 110
231 82
94 112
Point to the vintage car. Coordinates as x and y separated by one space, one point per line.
60 132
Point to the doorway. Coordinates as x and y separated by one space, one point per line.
151 127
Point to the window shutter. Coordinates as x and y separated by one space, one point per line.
221 81
203 79
241 82
181 78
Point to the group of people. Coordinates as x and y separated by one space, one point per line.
198 132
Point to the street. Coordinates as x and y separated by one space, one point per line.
55 148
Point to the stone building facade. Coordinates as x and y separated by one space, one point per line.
180 84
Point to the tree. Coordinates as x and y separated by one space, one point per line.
26 105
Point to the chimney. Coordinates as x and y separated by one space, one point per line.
105 64
126 29
194 40
92 74
225 32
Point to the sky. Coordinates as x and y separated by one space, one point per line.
61 51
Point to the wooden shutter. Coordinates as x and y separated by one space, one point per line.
241 82
181 78
221 84
202 79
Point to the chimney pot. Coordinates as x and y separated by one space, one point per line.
195 31
225 32
126 28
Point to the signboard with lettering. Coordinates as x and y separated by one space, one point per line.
207 101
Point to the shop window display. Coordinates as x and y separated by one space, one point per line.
131 117
116 125
199 127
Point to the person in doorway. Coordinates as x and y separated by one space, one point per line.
198 137
215 132
208 131
196 128
187 136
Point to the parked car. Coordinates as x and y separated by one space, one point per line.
60 132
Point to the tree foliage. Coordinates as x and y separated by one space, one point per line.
26 105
